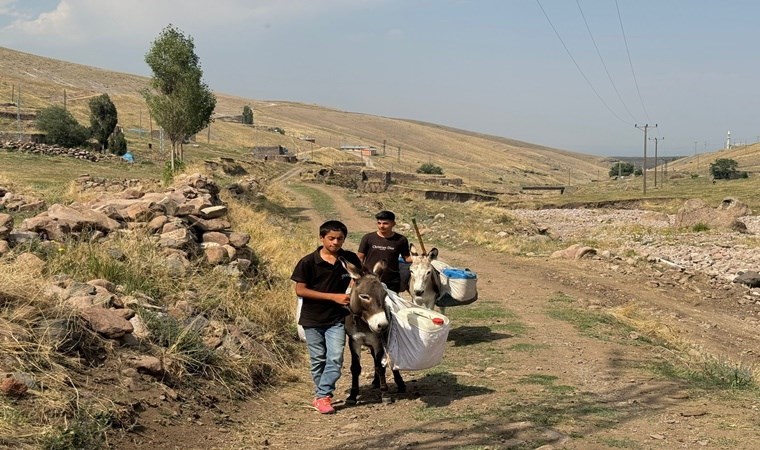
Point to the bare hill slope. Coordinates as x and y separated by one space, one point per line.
403 144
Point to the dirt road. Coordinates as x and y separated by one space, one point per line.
537 362
533 363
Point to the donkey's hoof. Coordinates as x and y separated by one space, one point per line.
401 389
350 401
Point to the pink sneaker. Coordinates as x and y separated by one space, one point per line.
323 405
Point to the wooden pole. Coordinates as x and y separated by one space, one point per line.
419 236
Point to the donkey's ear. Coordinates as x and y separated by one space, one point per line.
412 250
379 268
353 271
433 253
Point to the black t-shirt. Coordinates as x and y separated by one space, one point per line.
319 275
377 248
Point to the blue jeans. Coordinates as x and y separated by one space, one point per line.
326 345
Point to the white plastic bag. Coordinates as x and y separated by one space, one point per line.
417 336
301 333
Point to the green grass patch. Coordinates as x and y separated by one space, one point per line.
528 348
489 311
620 443
322 203
711 374
561 297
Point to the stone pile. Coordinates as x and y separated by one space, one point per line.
10 201
54 150
186 221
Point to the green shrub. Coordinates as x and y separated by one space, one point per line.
726 169
621 169
61 128
168 175
117 143
698 228
103 119
247 115
430 168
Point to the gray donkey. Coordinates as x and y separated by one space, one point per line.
366 326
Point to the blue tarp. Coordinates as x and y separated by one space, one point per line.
128 157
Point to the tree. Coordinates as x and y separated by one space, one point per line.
103 119
61 128
430 169
726 169
180 101
247 115
621 169
117 143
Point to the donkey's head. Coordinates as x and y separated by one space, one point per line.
368 295
422 279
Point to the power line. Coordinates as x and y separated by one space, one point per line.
578 66
577 2
630 62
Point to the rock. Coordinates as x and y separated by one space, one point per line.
215 255
138 327
106 322
5 247
575 251
11 387
749 278
216 237
214 212
147 364
239 240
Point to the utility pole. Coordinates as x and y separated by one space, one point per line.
655 139
645 128
399 153
18 112
64 99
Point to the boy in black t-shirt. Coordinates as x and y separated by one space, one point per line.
321 280
385 245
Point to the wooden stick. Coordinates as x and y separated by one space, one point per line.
419 236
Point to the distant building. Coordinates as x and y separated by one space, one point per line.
363 150
272 153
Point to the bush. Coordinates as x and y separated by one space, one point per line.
61 128
726 169
168 175
638 172
247 115
117 143
430 169
621 169
103 119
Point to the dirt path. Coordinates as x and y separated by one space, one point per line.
534 364
530 364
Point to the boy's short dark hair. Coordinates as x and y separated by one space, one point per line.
385 215
332 225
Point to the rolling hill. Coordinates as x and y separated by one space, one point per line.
481 160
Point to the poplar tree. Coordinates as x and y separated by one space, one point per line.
178 99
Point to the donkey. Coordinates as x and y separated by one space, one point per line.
424 281
366 326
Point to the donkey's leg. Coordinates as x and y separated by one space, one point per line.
356 370
400 385
377 356
376 376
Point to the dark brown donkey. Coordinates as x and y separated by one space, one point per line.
366 326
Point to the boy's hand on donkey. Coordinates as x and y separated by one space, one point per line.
342 299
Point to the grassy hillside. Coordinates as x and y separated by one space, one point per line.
480 159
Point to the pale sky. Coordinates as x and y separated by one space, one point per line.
492 66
